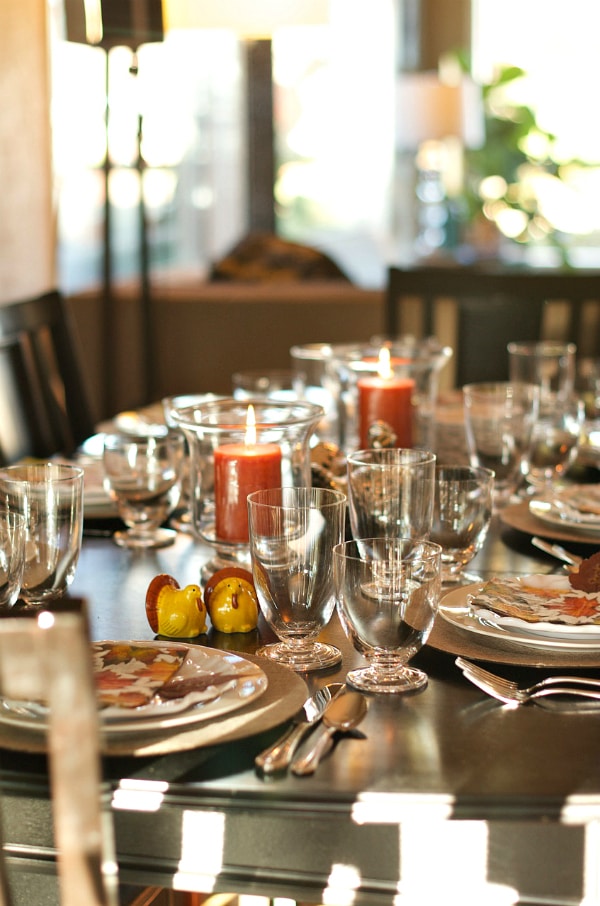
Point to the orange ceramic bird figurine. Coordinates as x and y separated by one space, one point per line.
231 601
174 612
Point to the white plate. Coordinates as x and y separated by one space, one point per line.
455 609
551 514
249 684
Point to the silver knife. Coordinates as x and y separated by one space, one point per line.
278 756
344 712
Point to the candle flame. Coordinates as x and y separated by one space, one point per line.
250 426
385 368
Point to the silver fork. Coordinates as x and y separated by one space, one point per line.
509 692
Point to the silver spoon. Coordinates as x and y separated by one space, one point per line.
344 713
278 756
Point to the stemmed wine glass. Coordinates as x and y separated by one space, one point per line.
388 591
461 516
143 477
292 535
554 441
391 492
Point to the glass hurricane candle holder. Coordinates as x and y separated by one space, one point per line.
238 447
387 392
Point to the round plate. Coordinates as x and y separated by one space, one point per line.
551 514
455 609
519 516
249 682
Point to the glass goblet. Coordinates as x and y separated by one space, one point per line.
390 493
499 420
49 498
388 591
461 516
292 535
143 476
554 441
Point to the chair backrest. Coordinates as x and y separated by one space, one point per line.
478 311
45 657
44 407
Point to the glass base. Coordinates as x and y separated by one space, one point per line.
374 679
316 656
162 537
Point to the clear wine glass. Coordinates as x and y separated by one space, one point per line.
292 535
499 420
49 497
388 591
554 441
143 477
461 516
390 492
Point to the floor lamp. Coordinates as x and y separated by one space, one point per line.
107 24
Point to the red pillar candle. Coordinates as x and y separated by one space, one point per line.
240 469
386 398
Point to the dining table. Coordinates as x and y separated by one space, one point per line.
442 796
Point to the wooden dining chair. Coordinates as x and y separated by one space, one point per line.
45 657
478 311
44 405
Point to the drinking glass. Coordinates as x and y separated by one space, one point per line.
279 384
49 498
499 419
143 476
555 440
549 364
388 591
12 556
292 535
391 492
461 516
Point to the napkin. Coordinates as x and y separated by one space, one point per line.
128 675
536 600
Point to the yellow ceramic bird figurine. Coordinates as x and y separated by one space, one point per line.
230 598
174 612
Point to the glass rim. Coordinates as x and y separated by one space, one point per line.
166 436
36 471
391 456
332 496
490 388
432 550
475 471
295 413
541 347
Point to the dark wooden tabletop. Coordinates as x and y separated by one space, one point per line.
435 788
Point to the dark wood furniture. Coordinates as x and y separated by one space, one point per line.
491 307
44 407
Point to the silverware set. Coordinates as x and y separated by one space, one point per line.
510 693
333 708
